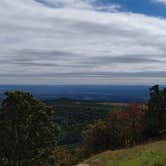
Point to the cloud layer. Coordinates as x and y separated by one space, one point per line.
160 1
79 41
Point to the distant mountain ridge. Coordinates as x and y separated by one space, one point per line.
113 93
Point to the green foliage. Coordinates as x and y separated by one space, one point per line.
129 127
74 116
121 129
96 137
156 115
27 131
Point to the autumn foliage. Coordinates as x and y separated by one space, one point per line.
121 129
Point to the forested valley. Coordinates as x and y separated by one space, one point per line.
64 132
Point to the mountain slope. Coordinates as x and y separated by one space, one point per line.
151 154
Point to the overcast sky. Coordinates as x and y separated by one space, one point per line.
82 41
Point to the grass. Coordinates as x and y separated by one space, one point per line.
151 154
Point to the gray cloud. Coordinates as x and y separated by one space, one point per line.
152 74
78 43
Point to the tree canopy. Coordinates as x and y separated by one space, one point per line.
28 133
156 114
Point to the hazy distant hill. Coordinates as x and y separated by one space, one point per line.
84 92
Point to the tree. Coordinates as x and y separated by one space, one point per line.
27 131
95 138
63 157
156 114
131 125
120 129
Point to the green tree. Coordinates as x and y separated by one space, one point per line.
95 138
120 129
28 133
156 110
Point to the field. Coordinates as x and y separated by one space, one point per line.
151 154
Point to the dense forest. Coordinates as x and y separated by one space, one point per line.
64 132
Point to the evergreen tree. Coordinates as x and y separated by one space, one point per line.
27 131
